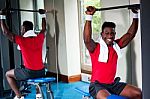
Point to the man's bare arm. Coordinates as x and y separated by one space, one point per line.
89 42
42 12
126 38
6 31
43 25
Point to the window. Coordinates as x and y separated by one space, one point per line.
96 23
33 17
38 4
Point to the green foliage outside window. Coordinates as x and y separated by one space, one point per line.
96 26
96 21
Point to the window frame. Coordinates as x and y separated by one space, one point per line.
85 68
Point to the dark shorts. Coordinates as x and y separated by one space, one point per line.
24 73
114 88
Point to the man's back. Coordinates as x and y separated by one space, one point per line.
31 49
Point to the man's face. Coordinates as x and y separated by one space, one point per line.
108 35
22 30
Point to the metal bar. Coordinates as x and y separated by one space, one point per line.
12 9
119 7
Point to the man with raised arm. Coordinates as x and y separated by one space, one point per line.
30 45
104 56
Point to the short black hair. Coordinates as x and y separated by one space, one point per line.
28 25
108 24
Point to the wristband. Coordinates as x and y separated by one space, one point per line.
43 15
2 17
135 15
88 17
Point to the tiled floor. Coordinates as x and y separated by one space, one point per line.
62 91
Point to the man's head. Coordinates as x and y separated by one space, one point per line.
108 32
27 25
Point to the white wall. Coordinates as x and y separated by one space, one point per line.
56 30
72 37
129 66
137 58
67 52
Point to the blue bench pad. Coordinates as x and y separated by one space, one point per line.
42 80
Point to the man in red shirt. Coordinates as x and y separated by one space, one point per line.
30 45
104 56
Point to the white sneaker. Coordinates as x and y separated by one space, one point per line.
22 97
39 96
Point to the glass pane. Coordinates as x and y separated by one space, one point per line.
28 5
96 23
39 5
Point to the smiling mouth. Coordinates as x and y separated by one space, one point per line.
110 40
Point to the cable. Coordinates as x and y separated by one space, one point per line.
130 47
55 44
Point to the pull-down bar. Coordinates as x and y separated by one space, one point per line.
24 10
13 9
119 7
